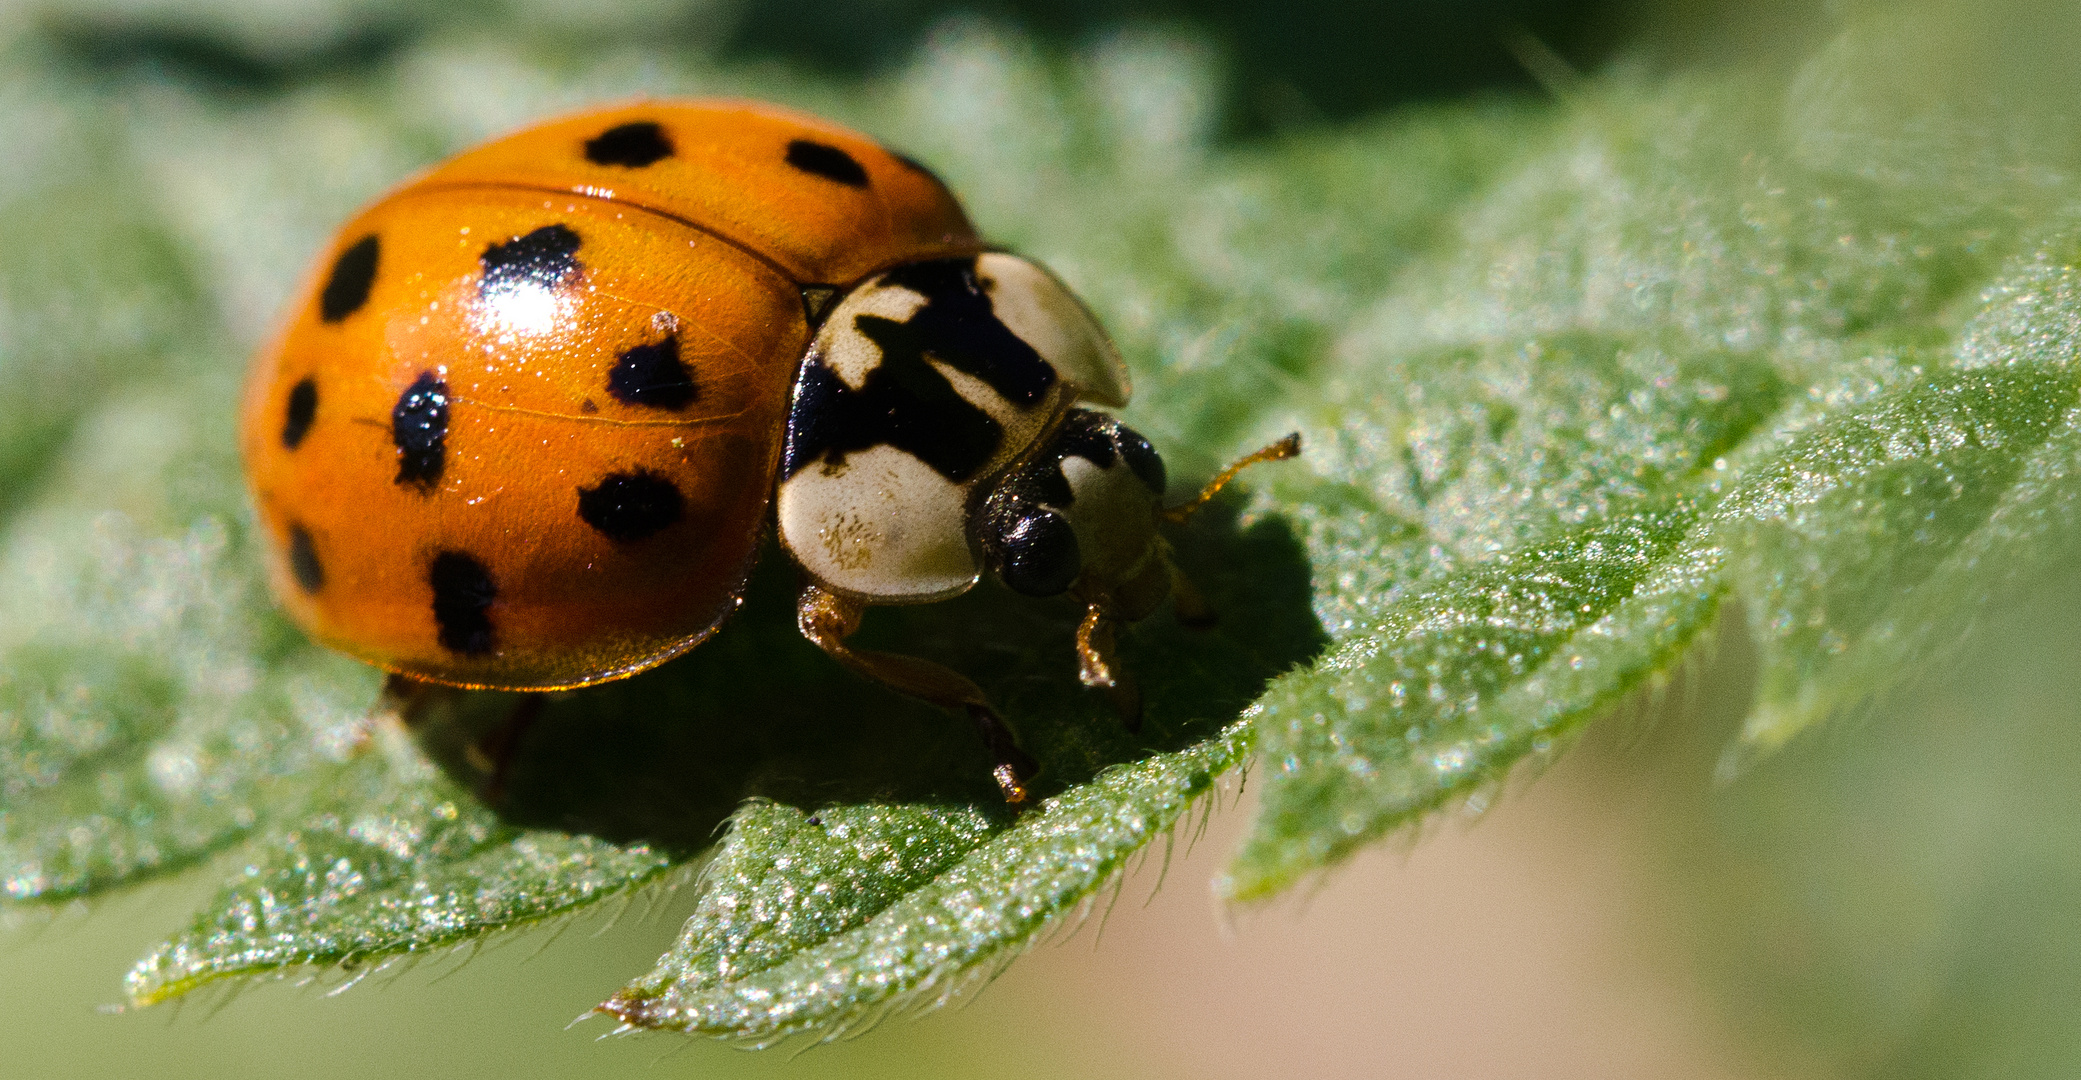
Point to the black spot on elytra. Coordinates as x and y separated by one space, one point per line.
827 161
303 560
632 145
419 427
303 408
463 592
653 376
353 273
905 402
631 506
542 259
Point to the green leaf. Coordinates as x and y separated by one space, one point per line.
153 709
1881 538
1441 690
152 712
815 923
94 291
392 860
1565 537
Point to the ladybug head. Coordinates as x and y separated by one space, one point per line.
1081 514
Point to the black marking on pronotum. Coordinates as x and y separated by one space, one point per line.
959 328
303 408
419 427
653 376
905 402
631 506
632 145
463 592
817 302
352 275
303 560
827 161
542 259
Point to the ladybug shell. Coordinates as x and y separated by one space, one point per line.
826 205
525 438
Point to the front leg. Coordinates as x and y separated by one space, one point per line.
827 619
1098 666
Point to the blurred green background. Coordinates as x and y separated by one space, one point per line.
1896 895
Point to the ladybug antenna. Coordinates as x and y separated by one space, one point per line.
1287 447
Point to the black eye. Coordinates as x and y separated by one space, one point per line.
1142 458
1038 554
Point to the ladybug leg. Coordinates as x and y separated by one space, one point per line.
403 697
1095 647
495 752
400 698
828 619
415 705
403 701
1097 666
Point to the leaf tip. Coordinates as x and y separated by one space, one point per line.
633 1008
1253 879
143 992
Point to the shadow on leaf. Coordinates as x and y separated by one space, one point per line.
756 711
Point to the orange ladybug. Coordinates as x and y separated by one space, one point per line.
530 417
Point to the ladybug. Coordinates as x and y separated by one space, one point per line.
535 409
